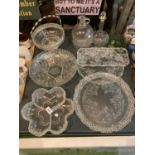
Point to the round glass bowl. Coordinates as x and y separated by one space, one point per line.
48 36
53 68
104 102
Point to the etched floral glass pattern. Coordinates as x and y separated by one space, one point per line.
48 111
109 60
53 68
104 102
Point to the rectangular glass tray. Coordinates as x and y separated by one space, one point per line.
75 126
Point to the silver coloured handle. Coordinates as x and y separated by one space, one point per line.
45 17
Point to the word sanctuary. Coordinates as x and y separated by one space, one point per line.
76 9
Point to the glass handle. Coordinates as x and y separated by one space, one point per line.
87 20
84 20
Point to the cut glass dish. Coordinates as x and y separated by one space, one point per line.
47 36
53 68
48 111
110 60
104 102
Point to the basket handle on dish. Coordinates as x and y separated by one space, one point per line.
45 17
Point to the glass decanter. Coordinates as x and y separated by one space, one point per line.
101 38
82 33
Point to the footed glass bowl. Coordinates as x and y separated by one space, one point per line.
48 111
53 68
104 102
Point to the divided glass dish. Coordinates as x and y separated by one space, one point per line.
48 111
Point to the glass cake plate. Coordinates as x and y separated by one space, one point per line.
53 68
104 102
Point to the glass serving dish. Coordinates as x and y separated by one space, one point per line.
53 68
110 60
47 36
104 102
48 111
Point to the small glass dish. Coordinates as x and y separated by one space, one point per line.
53 68
104 102
110 60
48 111
47 36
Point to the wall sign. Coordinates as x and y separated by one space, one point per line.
28 10
77 7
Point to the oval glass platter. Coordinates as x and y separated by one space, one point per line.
104 102
53 68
